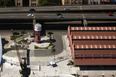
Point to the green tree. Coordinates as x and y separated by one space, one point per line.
7 2
1 3
23 32
47 2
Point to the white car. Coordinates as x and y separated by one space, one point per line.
52 63
66 8
30 15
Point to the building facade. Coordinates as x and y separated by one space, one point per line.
71 2
26 2
94 2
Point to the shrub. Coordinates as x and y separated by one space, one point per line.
70 62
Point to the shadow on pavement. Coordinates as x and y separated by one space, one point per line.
97 67
4 41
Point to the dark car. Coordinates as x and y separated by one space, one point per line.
60 15
32 10
16 33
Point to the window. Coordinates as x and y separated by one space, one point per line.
18 4
33 4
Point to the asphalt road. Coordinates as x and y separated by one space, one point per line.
58 8
53 16
57 34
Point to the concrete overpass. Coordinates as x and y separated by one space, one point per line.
48 17
51 9
22 18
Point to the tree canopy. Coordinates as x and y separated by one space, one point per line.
47 2
4 3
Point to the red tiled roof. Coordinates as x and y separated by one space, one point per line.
92 28
94 42
93 37
95 51
77 56
89 33
95 46
95 61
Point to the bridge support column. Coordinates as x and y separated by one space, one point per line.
34 22
85 22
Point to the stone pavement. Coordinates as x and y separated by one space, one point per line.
42 70
64 55
62 70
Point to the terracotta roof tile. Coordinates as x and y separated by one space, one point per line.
92 28
95 61
93 46
93 37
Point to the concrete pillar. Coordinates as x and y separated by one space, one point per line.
15 2
37 1
85 23
34 22
29 2
21 4
99 2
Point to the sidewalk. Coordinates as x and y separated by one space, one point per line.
40 68
62 70
66 54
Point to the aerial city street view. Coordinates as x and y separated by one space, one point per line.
57 38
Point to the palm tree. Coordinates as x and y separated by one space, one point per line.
53 52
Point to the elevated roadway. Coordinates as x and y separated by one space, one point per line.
51 9
47 17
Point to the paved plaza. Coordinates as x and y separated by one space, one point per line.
40 64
